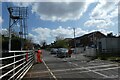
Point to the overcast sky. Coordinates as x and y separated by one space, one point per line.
49 19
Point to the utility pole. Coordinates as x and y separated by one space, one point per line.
74 40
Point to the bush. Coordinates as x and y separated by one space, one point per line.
108 56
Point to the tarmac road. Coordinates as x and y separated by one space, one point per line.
76 67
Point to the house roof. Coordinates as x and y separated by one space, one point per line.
91 34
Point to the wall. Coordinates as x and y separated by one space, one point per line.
80 50
91 52
110 44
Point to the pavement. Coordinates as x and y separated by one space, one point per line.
76 67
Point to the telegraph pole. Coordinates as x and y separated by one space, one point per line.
74 40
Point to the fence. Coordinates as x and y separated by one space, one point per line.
15 64
91 52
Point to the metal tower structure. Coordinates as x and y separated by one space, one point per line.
18 16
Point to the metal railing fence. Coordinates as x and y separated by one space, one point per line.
15 64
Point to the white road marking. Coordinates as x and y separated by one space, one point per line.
81 69
38 72
114 76
96 66
49 70
106 69
88 68
98 73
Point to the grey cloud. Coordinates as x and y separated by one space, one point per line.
1 20
103 15
23 4
103 9
59 11
99 23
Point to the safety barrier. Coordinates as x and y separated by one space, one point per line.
15 64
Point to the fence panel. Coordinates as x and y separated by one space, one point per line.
15 64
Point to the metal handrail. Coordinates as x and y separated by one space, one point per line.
11 63
11 57
20 64
18 71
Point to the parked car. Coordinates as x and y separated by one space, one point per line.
54 51
73 50
62 52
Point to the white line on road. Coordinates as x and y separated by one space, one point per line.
83 68
98 73
88 68
113 76
38 72
49 70
108 65
106 69
61 70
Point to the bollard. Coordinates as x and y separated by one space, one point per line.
26 56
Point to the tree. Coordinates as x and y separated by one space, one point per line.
36 46
43 44
110 35
59 37
28 43
16 41
60 42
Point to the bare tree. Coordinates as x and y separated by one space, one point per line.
43 43
28 43
59 37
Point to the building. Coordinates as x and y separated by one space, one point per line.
109 45
87 39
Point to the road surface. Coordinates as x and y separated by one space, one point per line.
76 67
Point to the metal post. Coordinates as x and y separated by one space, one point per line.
74 40
118 21
93 38
21 34
14 66
9 34
118 37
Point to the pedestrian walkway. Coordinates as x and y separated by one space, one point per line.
37 71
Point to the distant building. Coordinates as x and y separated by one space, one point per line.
109 45
87 39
